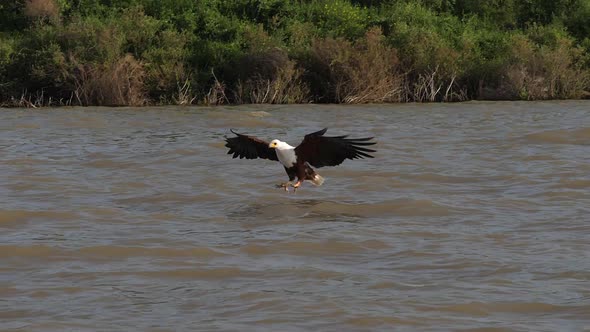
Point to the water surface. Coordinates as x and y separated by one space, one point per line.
472 216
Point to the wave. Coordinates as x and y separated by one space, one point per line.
579 136
485 308
337 211
34 251
304 248
22 216
114 252
400 207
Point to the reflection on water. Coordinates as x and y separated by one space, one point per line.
472 216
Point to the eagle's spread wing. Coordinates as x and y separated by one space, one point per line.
320 150
249 147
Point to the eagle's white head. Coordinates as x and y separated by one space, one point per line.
279 145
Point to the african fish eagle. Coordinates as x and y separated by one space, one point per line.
316 150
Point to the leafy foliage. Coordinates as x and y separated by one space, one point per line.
279 51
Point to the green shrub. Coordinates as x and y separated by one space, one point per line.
269 13
336 18
577 20
11 16
366 71
118 83
499 13
38 63
7 51
165 66
486 53
181 15
277 51
550 71
269 77
431 50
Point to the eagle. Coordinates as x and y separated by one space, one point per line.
315 150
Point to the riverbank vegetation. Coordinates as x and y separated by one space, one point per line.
143 52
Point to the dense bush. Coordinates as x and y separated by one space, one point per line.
548 70
364 71
139 52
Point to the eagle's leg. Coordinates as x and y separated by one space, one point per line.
296 185
285 185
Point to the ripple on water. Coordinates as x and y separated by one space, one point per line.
168 200
113 164
382 321
488 308
572 184
120 252
33 252
192 274
340 211
21 217
400 207
472 216
305 248
442 178
579 136
196 272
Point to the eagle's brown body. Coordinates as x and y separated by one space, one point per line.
302 171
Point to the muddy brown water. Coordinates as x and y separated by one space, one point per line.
472 216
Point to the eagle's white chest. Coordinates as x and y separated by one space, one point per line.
287 157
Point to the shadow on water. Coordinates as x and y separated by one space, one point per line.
329 210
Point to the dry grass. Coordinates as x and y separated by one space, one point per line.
184 94
42 9
36 100
286 87
216 94
431 86
547 72
364 72
120 83
269 77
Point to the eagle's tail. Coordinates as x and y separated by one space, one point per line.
317 179
312 176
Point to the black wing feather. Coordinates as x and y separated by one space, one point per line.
249 147
319 150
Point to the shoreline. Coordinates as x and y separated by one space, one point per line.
135 53
319 105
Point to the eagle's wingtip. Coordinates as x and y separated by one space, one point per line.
319 132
